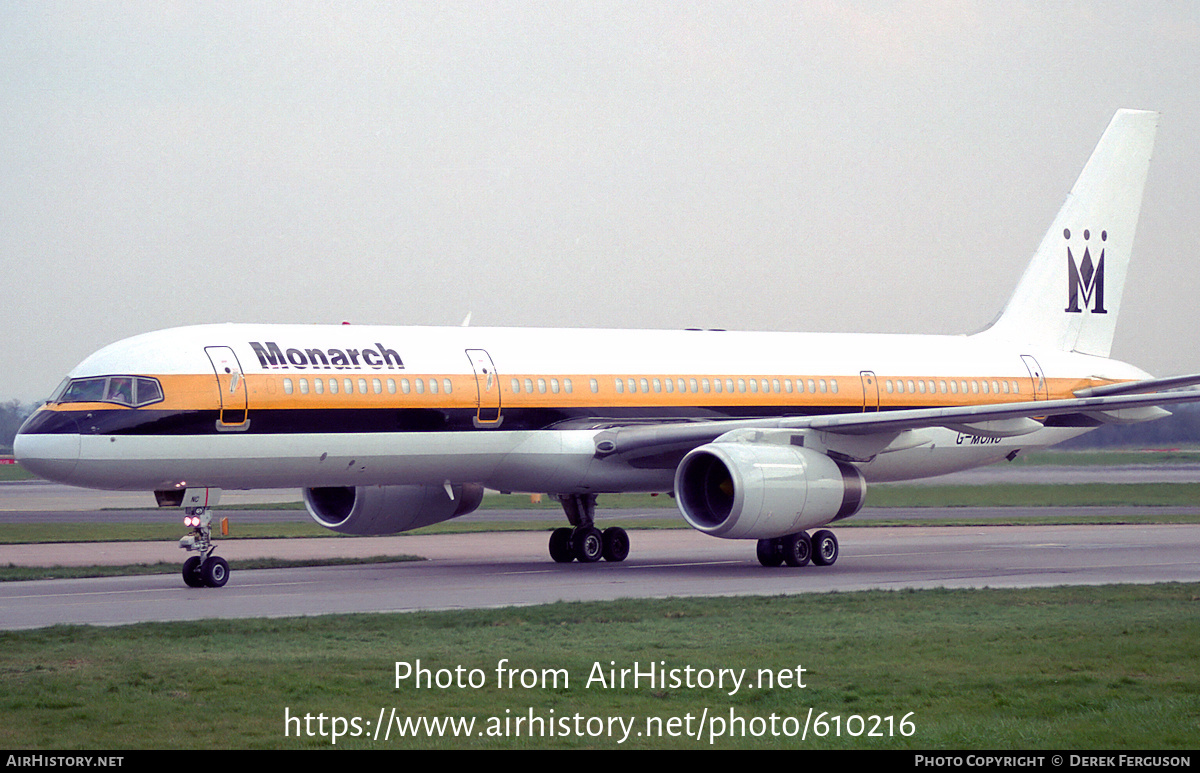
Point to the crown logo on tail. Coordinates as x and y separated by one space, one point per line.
1086 278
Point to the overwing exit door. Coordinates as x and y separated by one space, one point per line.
870 387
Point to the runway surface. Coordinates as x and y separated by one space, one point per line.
504 569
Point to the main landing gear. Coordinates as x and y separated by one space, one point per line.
204 570
798 549
585 543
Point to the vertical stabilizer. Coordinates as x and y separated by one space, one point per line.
1070 294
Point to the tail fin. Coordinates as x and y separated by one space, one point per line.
1071 291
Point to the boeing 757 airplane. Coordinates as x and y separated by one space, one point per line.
759 436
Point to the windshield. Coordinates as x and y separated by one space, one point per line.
133 391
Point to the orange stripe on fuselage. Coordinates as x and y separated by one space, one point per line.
269 391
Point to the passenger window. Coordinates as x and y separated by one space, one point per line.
303 386
377 386
823 386
333 386
594 385
446 386
287 386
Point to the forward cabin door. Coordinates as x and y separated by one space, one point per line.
487 383
231 385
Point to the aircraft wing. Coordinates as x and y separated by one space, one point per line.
997 420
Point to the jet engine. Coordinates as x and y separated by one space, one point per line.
740 490
365 510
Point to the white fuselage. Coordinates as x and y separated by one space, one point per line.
512 409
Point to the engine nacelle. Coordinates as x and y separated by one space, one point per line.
366 510
739 490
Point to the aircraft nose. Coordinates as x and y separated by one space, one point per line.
50 455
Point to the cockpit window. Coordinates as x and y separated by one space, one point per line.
148 391
84 390
134 391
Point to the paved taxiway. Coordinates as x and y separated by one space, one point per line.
501 569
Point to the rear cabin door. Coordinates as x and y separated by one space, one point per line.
1037 377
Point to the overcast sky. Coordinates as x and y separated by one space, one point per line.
821 166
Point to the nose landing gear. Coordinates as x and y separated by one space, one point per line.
204 570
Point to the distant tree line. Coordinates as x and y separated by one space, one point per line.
12 415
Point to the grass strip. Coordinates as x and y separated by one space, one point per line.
13 573
1038 495
1080 668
